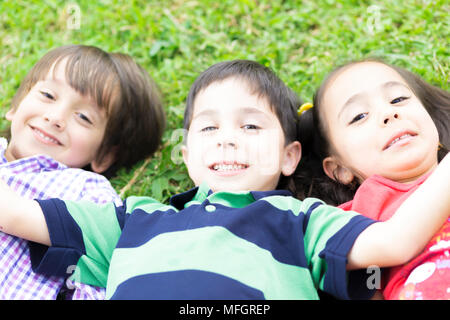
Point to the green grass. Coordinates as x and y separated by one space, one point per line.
176 40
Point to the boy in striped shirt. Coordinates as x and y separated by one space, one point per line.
237 234
64 132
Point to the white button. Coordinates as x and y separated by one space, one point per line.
210 208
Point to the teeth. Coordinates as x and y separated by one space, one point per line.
228 167
45 137
399 138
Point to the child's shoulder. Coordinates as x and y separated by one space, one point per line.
146 204
309 207
297 206
88 176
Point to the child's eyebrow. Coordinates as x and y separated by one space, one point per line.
205 113
214 112
391 84
349 101
253 110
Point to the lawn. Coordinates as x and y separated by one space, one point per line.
176 40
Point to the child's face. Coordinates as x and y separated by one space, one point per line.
235 142
55 120
377 125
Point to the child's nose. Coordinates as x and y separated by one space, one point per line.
388 114
56 119
389 118
227 139
227 144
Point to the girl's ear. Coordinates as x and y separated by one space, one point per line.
334 170
292 155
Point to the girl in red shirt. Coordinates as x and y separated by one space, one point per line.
375 133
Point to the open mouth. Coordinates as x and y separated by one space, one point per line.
403 137
228 167
45 137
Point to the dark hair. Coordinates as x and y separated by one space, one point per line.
264 83
117 84
311 178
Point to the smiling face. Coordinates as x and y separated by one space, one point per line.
376 125
55 120
235 142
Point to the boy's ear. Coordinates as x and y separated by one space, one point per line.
107 162
334 170
10 114
292 155
184 152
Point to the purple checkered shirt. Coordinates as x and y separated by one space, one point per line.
41 177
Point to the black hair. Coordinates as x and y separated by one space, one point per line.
311 178
264 83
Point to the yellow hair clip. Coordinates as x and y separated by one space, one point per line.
304 107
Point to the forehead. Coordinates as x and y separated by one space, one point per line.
363 75
232 95
359 78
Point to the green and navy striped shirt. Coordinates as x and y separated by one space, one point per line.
204 245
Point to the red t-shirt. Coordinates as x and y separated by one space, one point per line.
428 275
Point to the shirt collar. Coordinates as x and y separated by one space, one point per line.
240 199
35 163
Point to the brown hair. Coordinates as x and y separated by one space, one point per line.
121 87
313 181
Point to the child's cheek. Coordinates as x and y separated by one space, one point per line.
263 151
82 150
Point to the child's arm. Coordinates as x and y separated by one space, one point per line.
22 217
404 236
384 244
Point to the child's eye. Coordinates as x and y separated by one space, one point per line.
358 117
84 118
207 129
47 95
398 100
250 127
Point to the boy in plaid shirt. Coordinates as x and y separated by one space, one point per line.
67 127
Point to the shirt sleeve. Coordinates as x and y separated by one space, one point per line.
329 235
99 190
82 291
83 236
96 189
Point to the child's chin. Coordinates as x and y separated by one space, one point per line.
224 187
